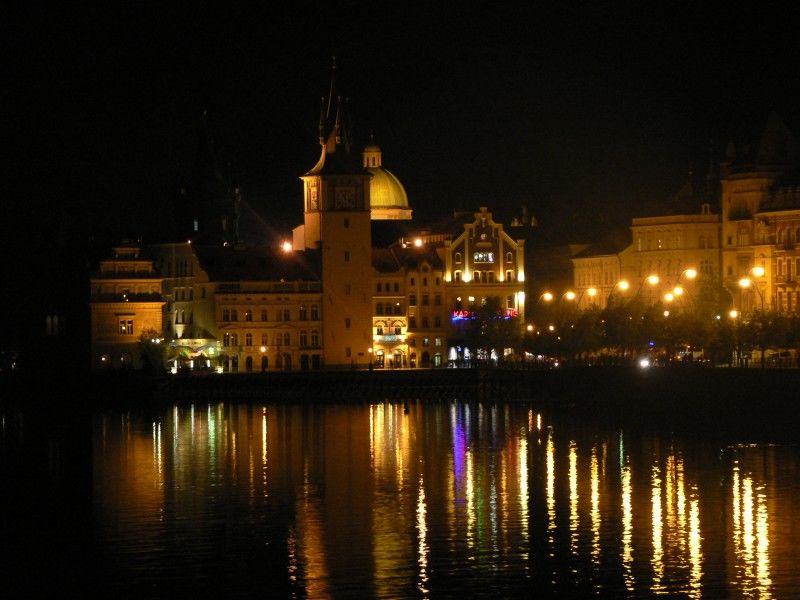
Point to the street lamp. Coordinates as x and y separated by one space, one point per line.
734 314
747 283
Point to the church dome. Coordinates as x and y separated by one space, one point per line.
388 199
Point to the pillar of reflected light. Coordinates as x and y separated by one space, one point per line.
422 537
658 545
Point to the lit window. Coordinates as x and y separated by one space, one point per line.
126 326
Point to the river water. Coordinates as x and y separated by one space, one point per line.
431 499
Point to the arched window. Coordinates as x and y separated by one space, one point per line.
264 363
457 258
509 257
457 276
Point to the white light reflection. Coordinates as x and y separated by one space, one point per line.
470 493
422 535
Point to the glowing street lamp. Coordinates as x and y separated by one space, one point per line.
286 246
746 283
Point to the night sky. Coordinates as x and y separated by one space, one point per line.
586 116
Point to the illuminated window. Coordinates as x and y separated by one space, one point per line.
483 257
126 326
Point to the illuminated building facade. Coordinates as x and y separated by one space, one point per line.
329 299
126 301
761 220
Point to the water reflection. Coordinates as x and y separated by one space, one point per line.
379 501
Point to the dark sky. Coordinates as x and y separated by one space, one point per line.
588 117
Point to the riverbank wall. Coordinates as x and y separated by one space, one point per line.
702 399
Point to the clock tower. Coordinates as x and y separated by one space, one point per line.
337 223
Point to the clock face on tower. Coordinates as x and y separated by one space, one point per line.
344 197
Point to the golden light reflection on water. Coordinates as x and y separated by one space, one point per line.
574 524
595 514
750 536
695 547
551 491
627 525
404 496
522 466
658 550
422 540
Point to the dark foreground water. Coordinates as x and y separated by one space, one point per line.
441 499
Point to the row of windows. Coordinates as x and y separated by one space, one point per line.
232 314
482 276
277 339
381 330
426 341
412 322
388 308
483 257
413 282
412 300
387 287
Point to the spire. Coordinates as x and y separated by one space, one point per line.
333 130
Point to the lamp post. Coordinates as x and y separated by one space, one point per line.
747 283
734 314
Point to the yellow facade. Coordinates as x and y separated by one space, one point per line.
125 302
